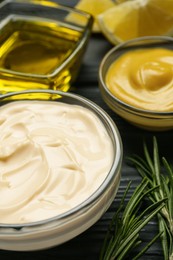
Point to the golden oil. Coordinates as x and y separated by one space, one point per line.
37 54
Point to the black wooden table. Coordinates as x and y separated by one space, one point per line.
87 245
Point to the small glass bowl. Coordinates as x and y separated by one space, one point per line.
54 231
142 118
42 44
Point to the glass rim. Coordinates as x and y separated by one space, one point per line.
111 175
130 108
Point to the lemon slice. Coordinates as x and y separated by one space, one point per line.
94 7
137 18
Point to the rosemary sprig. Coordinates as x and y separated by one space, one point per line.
159 173
123 233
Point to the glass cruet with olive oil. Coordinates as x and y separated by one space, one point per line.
39 50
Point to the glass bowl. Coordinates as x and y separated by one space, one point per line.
143 117
63 227
42 44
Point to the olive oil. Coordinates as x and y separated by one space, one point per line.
34 54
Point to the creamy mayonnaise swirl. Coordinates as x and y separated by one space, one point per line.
143 78
53 156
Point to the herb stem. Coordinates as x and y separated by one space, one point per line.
123 234
159 173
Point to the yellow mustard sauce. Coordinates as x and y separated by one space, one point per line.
143 78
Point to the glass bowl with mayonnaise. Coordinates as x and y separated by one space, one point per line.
136 81
60 161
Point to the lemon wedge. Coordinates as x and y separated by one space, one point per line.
94 7
137 18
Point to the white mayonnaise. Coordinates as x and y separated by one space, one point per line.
53 156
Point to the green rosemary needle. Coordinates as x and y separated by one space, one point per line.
123 234
159 173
